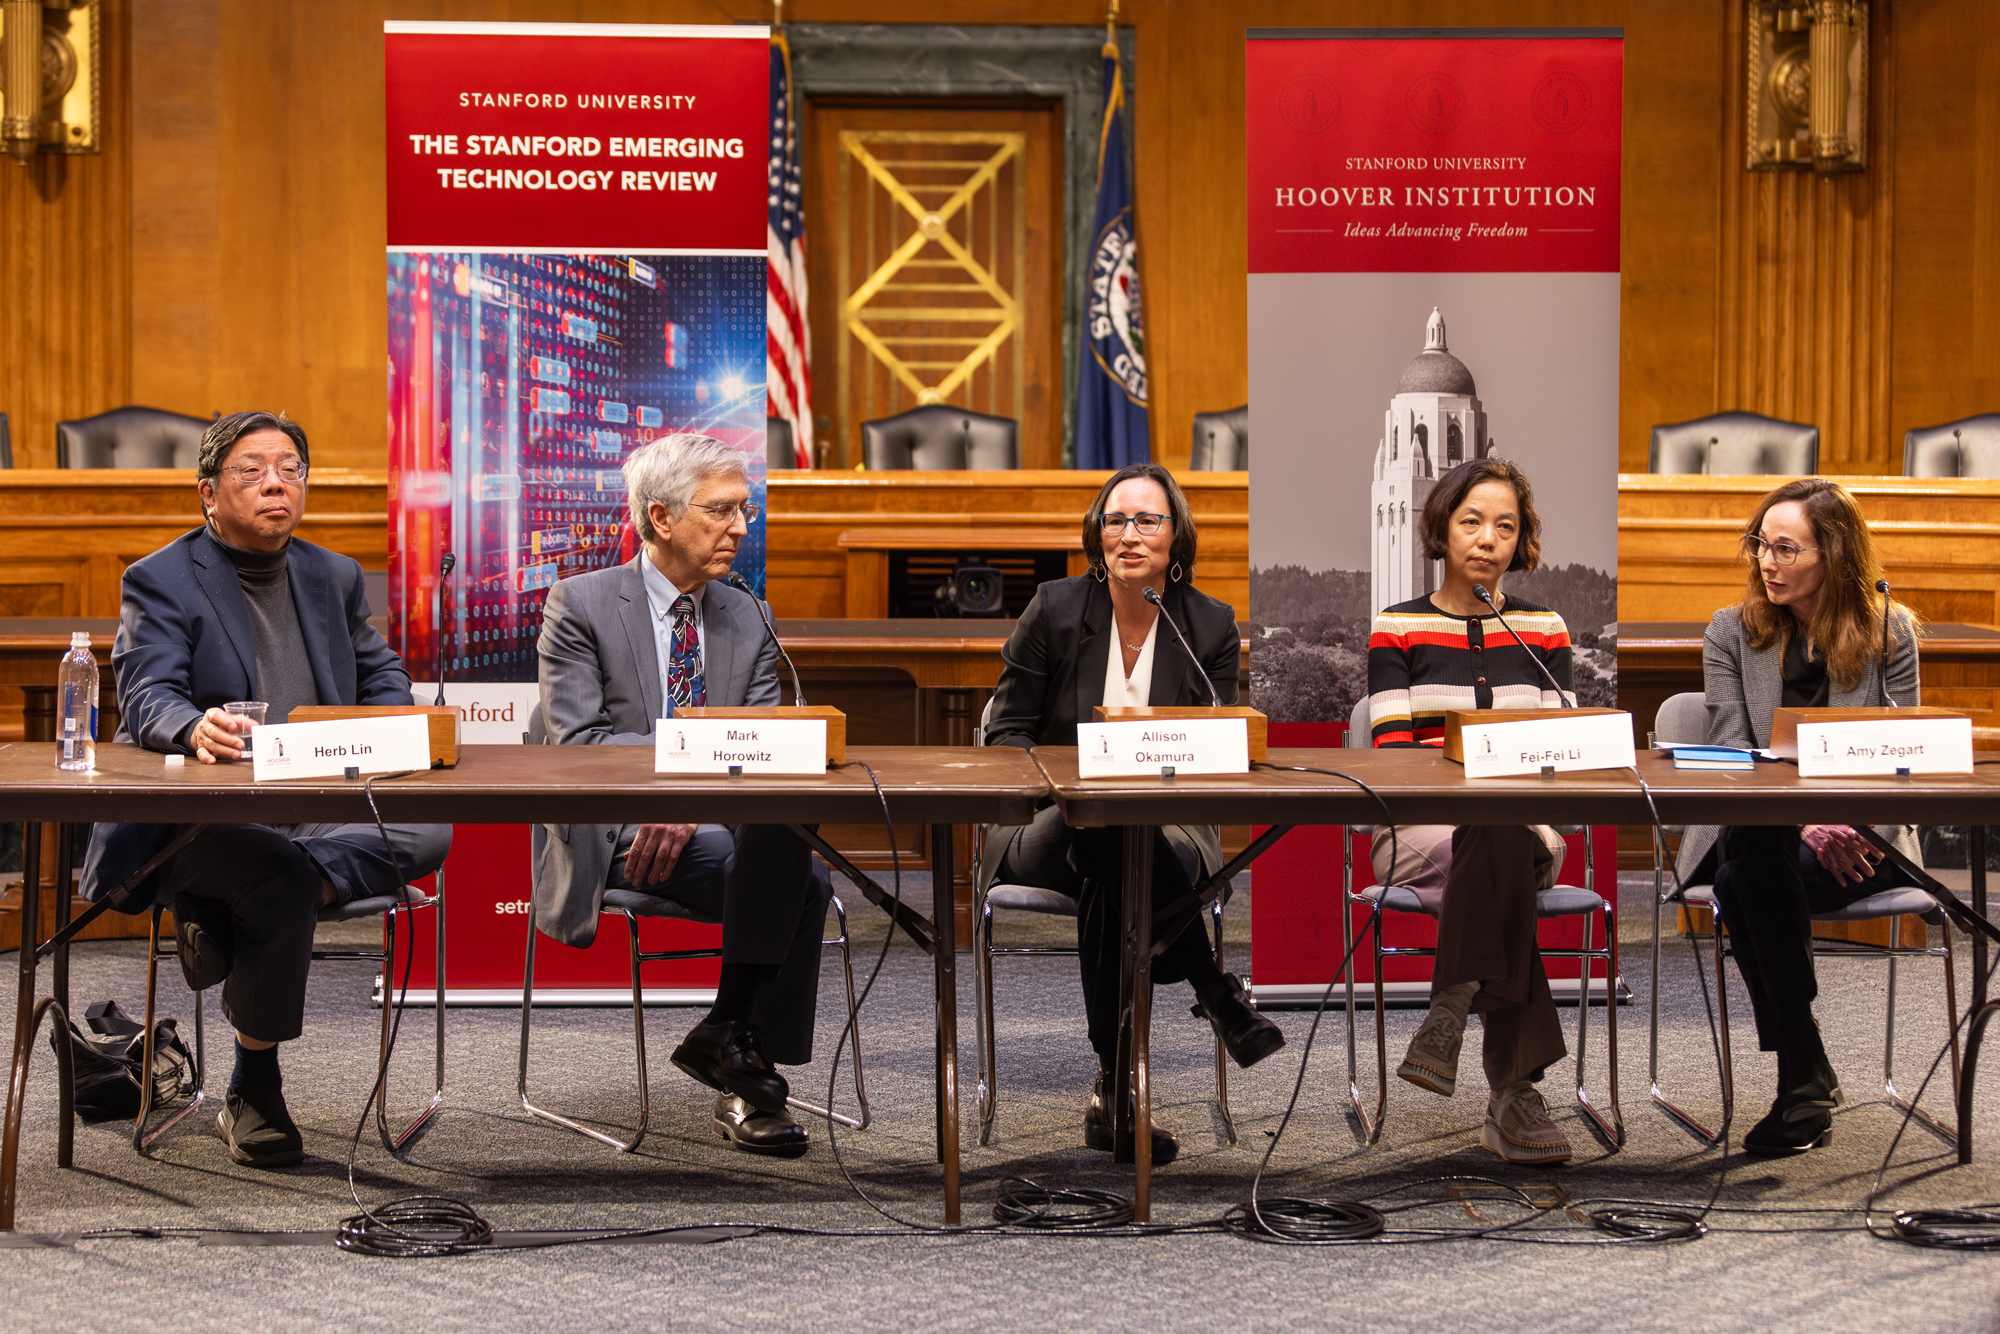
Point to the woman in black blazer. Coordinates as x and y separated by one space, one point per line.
1094 639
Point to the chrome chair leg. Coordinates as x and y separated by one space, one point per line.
1944 1130
853 1035
1222 1052
983 1020
527 1011
1611 1128
1659 1096
141 1139
1722 1025
394 1141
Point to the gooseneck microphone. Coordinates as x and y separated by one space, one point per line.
1882 676
1214 695
742 585
446 564
1562 697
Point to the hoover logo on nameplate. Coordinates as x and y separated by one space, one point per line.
1185 745
1871 746
759 745
1562 742
331 748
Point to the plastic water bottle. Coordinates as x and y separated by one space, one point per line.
76 706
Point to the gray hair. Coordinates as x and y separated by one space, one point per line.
223 433
670 469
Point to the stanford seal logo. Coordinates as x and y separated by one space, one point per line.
1561 102
1435 103
1115 310
1309 103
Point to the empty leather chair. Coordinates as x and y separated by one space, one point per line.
133 437
778 449
1969 447
940 437
1735 444
1221 441
6 444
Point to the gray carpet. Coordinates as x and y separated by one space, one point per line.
521 1174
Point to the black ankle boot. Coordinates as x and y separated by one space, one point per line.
1249 1036
1100 1131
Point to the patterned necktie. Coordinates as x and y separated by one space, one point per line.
684 678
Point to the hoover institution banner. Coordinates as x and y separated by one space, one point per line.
1433 277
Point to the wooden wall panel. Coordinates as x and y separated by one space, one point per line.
65 273
253 229
1803 325
1945 354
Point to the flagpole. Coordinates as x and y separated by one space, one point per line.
1110 27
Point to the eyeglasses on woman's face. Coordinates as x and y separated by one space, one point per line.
1783 551
1146 524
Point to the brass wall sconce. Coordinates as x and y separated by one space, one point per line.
49 63
1808 93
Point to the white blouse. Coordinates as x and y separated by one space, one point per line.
1134 691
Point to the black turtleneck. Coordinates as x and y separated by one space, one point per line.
284 671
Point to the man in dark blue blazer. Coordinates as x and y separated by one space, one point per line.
239 609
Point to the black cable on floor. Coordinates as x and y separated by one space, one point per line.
1301 1222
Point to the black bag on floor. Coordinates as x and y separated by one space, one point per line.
106 1063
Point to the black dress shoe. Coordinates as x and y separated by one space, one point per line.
1782 1133
1807 1087
202 939
753 1131
728 1057
259 1129
1100 1132
1249 1036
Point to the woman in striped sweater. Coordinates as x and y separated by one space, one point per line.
1449 650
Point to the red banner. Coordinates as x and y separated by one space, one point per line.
1365 154
537 135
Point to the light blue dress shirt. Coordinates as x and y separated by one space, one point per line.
660 596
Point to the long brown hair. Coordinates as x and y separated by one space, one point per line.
1846 625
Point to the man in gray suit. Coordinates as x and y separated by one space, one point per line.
620 648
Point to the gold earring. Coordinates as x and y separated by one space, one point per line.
1097 573
1177 574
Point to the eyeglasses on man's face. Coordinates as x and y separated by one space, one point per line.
1147 524
729 509
290 471
1782 551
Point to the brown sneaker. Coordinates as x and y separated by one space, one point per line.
1432 1059
1518 1127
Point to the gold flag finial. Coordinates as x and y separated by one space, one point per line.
1111 27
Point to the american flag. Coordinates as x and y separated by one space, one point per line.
789 375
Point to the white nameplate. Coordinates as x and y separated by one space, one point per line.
756 745
1561 741
1882 746
1185 745
331 748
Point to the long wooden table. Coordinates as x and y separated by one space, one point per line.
1422 787
510 784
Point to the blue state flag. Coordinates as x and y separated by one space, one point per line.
1111 385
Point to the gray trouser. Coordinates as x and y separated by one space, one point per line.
257 888
763 885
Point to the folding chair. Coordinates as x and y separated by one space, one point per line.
1683 720
1558 901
